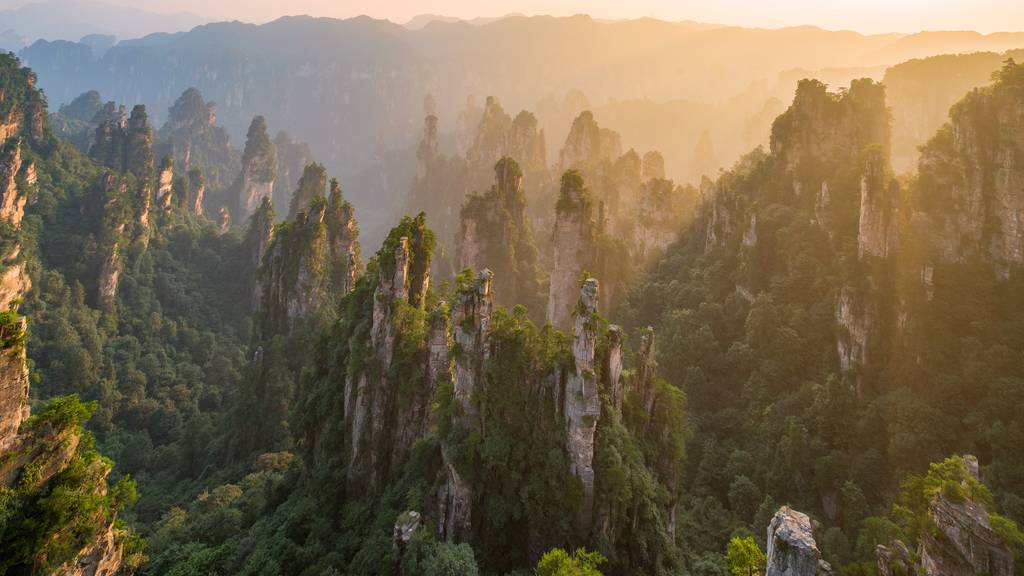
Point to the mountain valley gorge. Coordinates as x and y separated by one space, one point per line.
406 332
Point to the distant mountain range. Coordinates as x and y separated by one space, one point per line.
355 89
75 19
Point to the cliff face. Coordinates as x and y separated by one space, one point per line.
662 209
792 550
35 451
127 192
498 136
428 150
490 404
303 263
196 191
192 137
311 185
830 128
496 234
573 243
587 144
957 538
965 543
114 194
292 159
381 426
439 188
879 194
582 405
165 183
13 285
971 176
259 169
471 318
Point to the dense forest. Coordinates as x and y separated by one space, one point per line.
807 364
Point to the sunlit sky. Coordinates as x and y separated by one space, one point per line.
869 16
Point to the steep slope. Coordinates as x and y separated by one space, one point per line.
59 515
836 329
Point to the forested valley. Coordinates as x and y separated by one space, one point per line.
554 361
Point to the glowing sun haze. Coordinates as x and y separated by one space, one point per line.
869 16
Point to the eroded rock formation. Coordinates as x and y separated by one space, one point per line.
304 263
191 136
574 245
582 404
380 428
34 451
496 234
971 179
259 169
792 550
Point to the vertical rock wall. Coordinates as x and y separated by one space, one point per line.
582 406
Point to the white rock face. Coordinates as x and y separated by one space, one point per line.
792 550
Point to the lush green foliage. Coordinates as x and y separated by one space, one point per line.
558 562
744 556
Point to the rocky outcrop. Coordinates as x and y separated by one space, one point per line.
380 427
963 542
662 210
831 128
292 158
342 241
492 134
165 183
305 263
495 233
12 200
792 550
224 220
34 451
312 185
499 136
894 560
853 324
582 405
138 153
526 143
573 244
587 144
428 150
191 136
614 367
879 193
125 145
471 318
103 558
653 166
259 169
196 191
405 528
972 177
958 539
259 238
14 283
114 191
